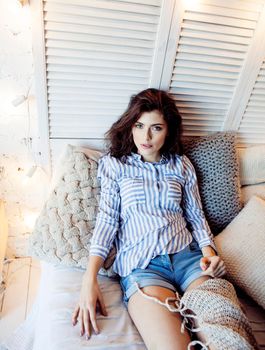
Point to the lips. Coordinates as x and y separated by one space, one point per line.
146 146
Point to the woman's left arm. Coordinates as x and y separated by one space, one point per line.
192 207
211 263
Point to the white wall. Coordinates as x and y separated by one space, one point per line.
23 198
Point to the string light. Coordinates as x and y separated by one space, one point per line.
23 2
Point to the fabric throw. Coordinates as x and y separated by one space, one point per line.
215 160
218 315
242 247
65 225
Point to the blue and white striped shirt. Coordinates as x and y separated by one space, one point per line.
144 208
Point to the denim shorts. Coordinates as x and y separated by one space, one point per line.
173 271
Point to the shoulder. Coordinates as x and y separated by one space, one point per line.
110 164
183 164
181 160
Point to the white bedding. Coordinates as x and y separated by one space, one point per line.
49 324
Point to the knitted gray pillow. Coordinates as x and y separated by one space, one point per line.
216 163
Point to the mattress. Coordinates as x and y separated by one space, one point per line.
48 325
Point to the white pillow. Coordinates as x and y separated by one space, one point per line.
64 228
242 247
252 165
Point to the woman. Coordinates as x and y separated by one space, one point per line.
150 208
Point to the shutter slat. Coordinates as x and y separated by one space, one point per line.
80 22
204 72
198 92
85 13
210 51
227 12
108 40
96 77
201 86
88 55
240 23
82 31
78 65
97 47
212 44
194 56
214 28
206 35
109 5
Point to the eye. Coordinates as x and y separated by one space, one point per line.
157 128
138 126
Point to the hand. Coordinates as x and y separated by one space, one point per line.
85 309
212 266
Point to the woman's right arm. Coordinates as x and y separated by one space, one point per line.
90 296
106 227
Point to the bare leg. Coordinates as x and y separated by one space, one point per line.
159 328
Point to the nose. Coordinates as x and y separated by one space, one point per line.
148 134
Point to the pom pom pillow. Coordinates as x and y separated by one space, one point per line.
242 247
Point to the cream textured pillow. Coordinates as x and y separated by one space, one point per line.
64 227
252 165
242 247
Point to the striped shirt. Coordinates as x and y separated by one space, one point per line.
144 209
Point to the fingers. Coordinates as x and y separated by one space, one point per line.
102 306
75 315
204 263
87 324
82 329
93 320
215 266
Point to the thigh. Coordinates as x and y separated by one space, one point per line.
159 328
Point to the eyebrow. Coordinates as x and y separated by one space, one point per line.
151 124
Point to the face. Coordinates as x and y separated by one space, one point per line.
149 134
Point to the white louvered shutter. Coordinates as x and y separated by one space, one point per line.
252 126
213 43
98 53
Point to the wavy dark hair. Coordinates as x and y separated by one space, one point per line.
119 137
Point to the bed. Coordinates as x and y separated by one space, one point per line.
48 325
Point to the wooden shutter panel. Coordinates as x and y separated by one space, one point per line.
211 50
252 126
98 53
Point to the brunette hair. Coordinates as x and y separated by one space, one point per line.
119 137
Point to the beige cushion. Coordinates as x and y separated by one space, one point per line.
242 246
252 190
252 165
64 227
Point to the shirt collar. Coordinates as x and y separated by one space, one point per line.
138 157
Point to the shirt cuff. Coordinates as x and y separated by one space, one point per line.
207 242
99 250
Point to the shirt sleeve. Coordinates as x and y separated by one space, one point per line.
107 222
192 207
